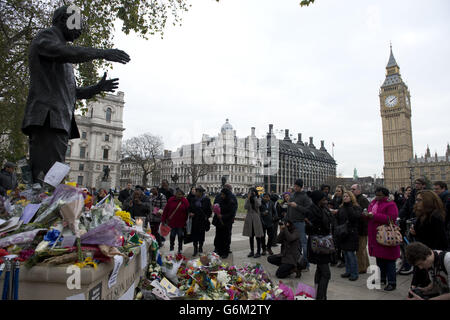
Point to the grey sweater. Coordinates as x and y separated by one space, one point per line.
299 213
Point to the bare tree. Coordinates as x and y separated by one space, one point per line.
144 151
196 171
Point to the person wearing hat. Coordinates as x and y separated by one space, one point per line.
8 179
319 222
298 209
200 210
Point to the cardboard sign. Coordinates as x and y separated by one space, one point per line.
170 288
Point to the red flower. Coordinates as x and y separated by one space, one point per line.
3 253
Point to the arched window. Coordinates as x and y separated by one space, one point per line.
108 115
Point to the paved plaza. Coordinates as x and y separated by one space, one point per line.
338 288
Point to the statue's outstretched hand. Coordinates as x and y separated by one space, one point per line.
108 85
116 55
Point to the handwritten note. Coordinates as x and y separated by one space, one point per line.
118 261
29 212
56 174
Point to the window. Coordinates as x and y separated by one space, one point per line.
82 152
80 180
105 154
83 135
106 137
81 167
108 114
69 150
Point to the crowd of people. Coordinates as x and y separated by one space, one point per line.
314 227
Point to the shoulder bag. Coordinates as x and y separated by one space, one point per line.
164 229
389 235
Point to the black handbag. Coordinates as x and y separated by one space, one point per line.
341 231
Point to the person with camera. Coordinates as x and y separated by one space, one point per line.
437 265
297 210
268 220
252 224
286 261
429 228
318 223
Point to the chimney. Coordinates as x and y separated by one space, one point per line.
253 131
300 142
311 144
286 135
322 145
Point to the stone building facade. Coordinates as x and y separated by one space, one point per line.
101 130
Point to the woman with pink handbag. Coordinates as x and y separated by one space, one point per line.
381 212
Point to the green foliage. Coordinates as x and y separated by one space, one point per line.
20 20
306 2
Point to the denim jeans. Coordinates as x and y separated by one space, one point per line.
174 232
303 241
351 263
387 269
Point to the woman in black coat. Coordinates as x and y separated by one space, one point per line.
349 216
429 229
338 257
319 222
223 223
200 211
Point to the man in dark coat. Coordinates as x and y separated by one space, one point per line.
165 190
200 210
234 204
49 118
8 179
361 254
297 211
268 218
125 193
289 238
223 223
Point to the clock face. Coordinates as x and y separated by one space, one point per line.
391 101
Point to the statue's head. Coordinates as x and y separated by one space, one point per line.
66 20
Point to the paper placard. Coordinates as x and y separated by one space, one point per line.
56 174
143 255
170 288
118 261
29 212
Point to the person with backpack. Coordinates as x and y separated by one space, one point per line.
437 263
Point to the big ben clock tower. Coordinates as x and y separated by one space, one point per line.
395 110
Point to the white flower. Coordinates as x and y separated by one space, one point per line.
222 277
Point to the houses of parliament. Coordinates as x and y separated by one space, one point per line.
401 166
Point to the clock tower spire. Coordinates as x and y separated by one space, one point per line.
395 112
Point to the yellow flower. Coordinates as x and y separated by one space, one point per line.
72 184
88 261
125 216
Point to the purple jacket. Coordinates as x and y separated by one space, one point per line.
386 209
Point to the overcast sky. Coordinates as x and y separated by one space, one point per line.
314 70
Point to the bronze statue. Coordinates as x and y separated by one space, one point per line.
49 119
106 171
174 178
